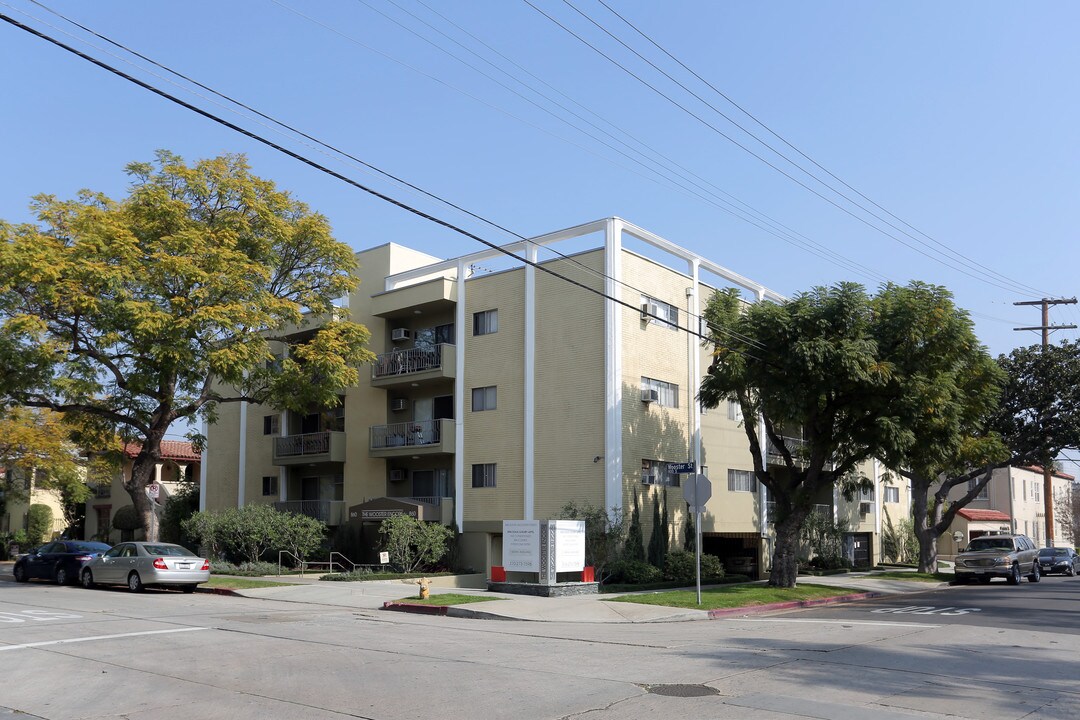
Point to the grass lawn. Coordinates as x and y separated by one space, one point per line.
914 576
735 596
446 599
239 583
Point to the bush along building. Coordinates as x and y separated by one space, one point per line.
506 388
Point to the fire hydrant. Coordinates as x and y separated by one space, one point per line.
424 584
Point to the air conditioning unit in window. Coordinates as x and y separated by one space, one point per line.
646 309
400 334
864 508
399 404
648 479
397 475
650 395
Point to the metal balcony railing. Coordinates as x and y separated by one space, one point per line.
404 362
298 445
415 433
820 509
329 511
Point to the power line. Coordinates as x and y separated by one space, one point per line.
332 173
768 129
746 149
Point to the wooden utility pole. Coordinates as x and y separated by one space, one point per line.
1046 327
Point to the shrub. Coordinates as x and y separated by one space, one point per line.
39 520
300 535
180 506
126 518
635 540
413 543
245 569
634 572
680 567
249 532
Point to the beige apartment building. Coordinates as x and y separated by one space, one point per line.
507 387
1012 502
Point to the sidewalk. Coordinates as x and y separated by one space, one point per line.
575 609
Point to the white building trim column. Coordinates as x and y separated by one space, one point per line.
763 492
203 465
283 431
459 401
528 445
879 496
613 421
242 463
693 345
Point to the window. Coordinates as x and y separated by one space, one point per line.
1036 486
431 336
485 322
483 398
271 424
867 495
658 312
339 487
656 472
667 394
483 475
983 494
892 494
270 485
274 363
734 411
740 481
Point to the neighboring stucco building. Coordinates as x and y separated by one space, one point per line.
17 504
503 392
1011 502
179 463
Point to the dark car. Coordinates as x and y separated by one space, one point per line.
1058 560
58 561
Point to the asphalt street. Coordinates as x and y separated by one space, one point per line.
66 652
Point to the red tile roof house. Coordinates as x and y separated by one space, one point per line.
179 464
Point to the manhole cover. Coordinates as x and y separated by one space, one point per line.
682 690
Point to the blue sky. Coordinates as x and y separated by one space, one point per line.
959 118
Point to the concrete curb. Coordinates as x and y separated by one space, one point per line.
219 591
752 609
416 608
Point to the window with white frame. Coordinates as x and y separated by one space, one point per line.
270 485
659 312
483 475
892 494
484 398
656 472
667 394
734 411
740 481
866 495
984 494
1036 488
485 322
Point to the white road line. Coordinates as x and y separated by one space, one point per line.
834 622
99 637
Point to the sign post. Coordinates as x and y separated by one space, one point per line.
696 491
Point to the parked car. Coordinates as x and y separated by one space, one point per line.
142 564
59 561
1058 560
990 556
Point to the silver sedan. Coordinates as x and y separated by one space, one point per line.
139 564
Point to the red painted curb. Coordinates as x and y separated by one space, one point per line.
717 614
416 608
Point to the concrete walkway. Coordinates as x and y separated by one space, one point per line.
575 609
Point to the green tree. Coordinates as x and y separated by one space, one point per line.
39 521
635 539
605 535
204 527
413 543
181 505
824 367
38 444
250 531
301 535
162 306
689 532
658 538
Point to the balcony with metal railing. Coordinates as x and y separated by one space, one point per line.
417 437
819 509
331 512
795 445
414 365
309 448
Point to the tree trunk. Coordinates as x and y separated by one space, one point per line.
785 564
924 533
